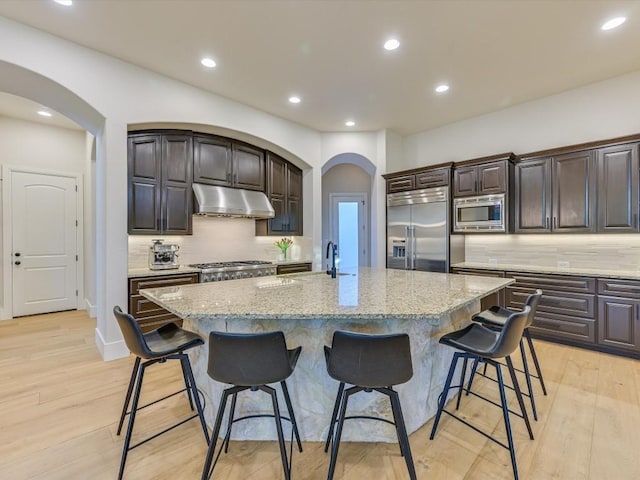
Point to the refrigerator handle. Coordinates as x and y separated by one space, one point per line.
413 248
407 248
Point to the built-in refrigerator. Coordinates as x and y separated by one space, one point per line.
418 231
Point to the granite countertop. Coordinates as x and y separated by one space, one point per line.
588 272
368 294
147 272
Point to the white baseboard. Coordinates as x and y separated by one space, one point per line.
5 315
112 350
91 309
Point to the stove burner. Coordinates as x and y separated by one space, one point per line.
235 263
217 271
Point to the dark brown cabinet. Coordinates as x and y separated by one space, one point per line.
619 314
220 161
618 188
497 298
293 268
556 194
284 190
149 315
160 184
567 309
485 179
427 177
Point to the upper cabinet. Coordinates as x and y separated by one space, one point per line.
220 161
159 184
618 188
483 179
556 194
427 177
284 190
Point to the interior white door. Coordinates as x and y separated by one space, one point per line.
349 229
44 245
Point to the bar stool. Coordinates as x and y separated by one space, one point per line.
495 317
479 342
168 342
368 362
250 361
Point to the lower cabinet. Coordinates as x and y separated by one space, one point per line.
293 268
619 314
149 315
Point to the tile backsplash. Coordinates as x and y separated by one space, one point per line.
219 239
611 251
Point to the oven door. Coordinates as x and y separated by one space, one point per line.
479 214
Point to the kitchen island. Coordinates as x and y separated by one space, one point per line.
308 308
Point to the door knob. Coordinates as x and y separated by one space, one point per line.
17 262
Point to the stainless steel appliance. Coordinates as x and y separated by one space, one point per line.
231 202
219 271
485 213
163 256
418 226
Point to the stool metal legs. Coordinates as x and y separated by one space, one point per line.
503 401
232 392
534 356
135 386
339 416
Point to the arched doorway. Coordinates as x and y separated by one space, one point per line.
346 208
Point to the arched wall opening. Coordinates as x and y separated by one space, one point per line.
347 177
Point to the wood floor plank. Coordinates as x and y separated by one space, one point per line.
59 406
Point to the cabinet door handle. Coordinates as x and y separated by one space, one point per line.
638 312
555 223
547 223
475 186
635 220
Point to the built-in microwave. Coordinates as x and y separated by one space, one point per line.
484 213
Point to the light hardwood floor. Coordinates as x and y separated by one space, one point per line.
59 404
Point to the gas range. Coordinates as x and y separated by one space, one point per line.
218 271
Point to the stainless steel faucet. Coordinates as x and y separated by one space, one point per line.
333 248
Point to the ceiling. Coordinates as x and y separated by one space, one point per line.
19 107
493 54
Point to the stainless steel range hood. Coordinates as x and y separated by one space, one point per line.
231 202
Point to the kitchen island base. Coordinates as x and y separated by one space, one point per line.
313 391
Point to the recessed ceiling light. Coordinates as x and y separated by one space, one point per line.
442 88
613 23
391 44
66 3
294 99
208 62
44 113
349 123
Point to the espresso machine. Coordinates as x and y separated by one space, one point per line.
163 256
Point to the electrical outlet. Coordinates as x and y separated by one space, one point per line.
493 261
563 264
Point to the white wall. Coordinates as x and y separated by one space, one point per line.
598 111
30 144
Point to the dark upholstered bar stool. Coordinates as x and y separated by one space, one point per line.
368 362
495 317
168 342
479 342
250 361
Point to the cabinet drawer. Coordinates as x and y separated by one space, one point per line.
473 271
141 307
151 323
555 282
619 288
433 178
293 268
563 303
400 184
136 284
564 327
